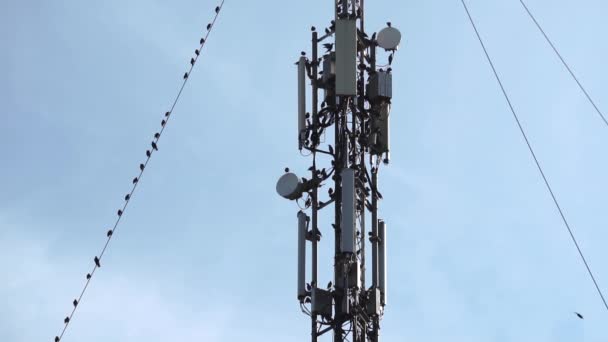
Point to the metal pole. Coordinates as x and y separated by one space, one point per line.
315 202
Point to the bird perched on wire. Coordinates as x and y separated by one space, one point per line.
156 135
110 232
127 197
328 46
217 9
135 180
66 320
154 146
148 153
202 41
209 26
56 338
75 302
88 276
196 52
185 75
97 262
119 212
579 315
142 167
191 61
162 123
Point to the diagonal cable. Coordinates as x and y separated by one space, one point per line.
542 173
580 85
136 180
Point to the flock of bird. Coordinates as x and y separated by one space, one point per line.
142 167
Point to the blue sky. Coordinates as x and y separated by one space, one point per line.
206 250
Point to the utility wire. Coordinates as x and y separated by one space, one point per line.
154 147
523 133
580 85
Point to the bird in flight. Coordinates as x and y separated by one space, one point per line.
579 315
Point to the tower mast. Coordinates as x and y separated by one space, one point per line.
356 101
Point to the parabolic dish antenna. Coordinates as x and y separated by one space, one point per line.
289 186
389 38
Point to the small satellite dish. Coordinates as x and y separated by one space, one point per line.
289 186
389 38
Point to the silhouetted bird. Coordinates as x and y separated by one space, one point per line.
329 285
96 259
388 24
154 146
209 26
390 59
579 315
217 9
56 338
185 75
327 30
119 212
202 41
135 180
66 320
162 123
127 197
148 153
303 53
196 52
75 302
312 28
157 135
142 167
88 276
191 61
167 114
328 46
110 232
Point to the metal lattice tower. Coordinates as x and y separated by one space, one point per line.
356 102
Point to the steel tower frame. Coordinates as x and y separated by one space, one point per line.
356 102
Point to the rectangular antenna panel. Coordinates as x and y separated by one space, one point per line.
302 218
301 98
321 302
382 257
373 302
383 141
348 223
346 57
380 86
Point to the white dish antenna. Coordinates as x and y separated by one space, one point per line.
289 186
389 38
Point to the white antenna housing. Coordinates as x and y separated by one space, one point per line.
301 99
289 186
347 226
302 228
382 259
346 57
389 38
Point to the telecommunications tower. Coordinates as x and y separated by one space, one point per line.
356 102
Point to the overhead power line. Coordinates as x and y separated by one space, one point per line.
540 169
142 167
580 85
